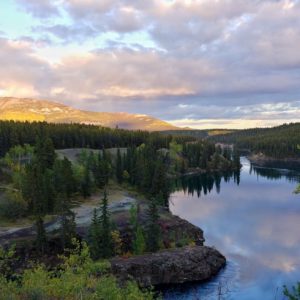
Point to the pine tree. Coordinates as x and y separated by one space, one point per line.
86 185
138 239
99 172
160 184
119 167
67 223
153 228
95 236
182 166
41 238
139 245
45 152
105 228
34 193
64 187
236 159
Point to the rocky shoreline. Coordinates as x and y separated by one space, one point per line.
173 266
267 161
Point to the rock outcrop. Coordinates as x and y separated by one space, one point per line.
174 266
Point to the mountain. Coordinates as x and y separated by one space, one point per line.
25 109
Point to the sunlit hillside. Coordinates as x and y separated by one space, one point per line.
21 109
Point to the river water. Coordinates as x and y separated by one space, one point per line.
253 218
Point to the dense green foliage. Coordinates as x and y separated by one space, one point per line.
207 156
138 243
78 277
153 228
77 136
279 142
100 237
146 168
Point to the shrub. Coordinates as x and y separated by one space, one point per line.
12 205
77 278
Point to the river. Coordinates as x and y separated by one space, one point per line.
253 218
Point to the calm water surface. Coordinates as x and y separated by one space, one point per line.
254 220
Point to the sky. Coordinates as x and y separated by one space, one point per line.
195 63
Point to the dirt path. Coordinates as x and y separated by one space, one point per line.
83 215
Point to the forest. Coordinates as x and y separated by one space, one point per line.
278 142
77 136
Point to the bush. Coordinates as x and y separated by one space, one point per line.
12 205
77 278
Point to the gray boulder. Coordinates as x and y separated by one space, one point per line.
174 266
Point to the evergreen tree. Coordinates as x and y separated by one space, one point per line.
160 184
153 228
182 166
86 184
119 167
44 152
95 236
41 238
236 159
36 187
68 224
64 183
139 245
138 240
100 177
105 228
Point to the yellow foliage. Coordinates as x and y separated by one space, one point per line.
218 132
117 242
19 116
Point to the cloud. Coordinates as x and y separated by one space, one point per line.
126 73
66 33
21 73
40 8
179 60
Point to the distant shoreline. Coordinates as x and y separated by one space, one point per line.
282 163
264 158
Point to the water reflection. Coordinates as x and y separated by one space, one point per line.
204 183
254 219
274 174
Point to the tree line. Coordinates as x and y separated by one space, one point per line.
77 136
278 142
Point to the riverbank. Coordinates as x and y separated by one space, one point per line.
262 160
182 242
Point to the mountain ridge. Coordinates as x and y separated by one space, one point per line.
29 109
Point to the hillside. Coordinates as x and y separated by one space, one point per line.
24 109
278 142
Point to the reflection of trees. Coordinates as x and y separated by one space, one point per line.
204 183
275 174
